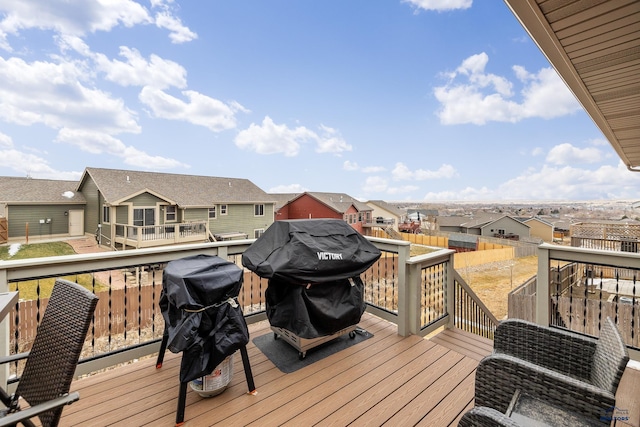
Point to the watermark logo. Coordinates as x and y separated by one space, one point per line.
615 413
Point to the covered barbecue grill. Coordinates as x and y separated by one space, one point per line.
315 292
202 318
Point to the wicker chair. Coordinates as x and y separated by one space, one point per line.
577 373
52 361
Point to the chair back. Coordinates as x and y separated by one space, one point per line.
52 360
610 358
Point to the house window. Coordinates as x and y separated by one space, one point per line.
212 213
144 216
223 209
106 213
258 232
170 213
258 210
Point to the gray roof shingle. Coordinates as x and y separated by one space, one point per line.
183 190
17 190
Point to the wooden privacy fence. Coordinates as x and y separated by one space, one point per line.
4 230
469 259
522 301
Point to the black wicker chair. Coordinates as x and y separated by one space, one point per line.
576 373
51 363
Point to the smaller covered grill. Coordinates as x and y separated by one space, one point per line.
202 318
315 292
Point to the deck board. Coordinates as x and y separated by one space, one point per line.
380 381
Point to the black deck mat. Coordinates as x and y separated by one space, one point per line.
286 358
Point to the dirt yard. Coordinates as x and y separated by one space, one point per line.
492 282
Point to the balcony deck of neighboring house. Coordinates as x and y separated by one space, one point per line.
429 332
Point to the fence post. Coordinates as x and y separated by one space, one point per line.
542 288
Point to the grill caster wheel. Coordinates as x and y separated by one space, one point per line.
275 336
352 334
302 355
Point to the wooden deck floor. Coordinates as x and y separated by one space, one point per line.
384 380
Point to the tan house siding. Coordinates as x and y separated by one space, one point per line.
541 230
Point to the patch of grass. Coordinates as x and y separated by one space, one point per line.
41 288
37 250
492 282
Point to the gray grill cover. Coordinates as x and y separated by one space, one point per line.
310 251
313 267
201 314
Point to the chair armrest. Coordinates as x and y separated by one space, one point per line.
572 353
499 376
28 413
481 416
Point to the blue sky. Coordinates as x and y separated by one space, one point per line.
421 100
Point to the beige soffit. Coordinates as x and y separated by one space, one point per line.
595 47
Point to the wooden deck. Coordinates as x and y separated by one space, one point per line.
384 380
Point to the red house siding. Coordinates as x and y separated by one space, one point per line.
306 207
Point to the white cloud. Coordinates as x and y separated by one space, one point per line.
473 96
331 141
31 165
5 141
440 5
135 70
375 184
198 109
53 94
537 151
271 138
555 183
566 154
76 17
79 17
348 165
102 143
289 188
178 33
402 173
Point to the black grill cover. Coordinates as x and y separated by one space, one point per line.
315 311
201 313
310 251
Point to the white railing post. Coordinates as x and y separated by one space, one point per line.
542 287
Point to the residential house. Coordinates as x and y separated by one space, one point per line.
325 205
138 209
490 225
540 228
385 214
124 208
41 208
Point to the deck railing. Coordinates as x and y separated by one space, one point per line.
157 235
577 288
416 293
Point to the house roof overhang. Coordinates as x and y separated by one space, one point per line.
595 48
